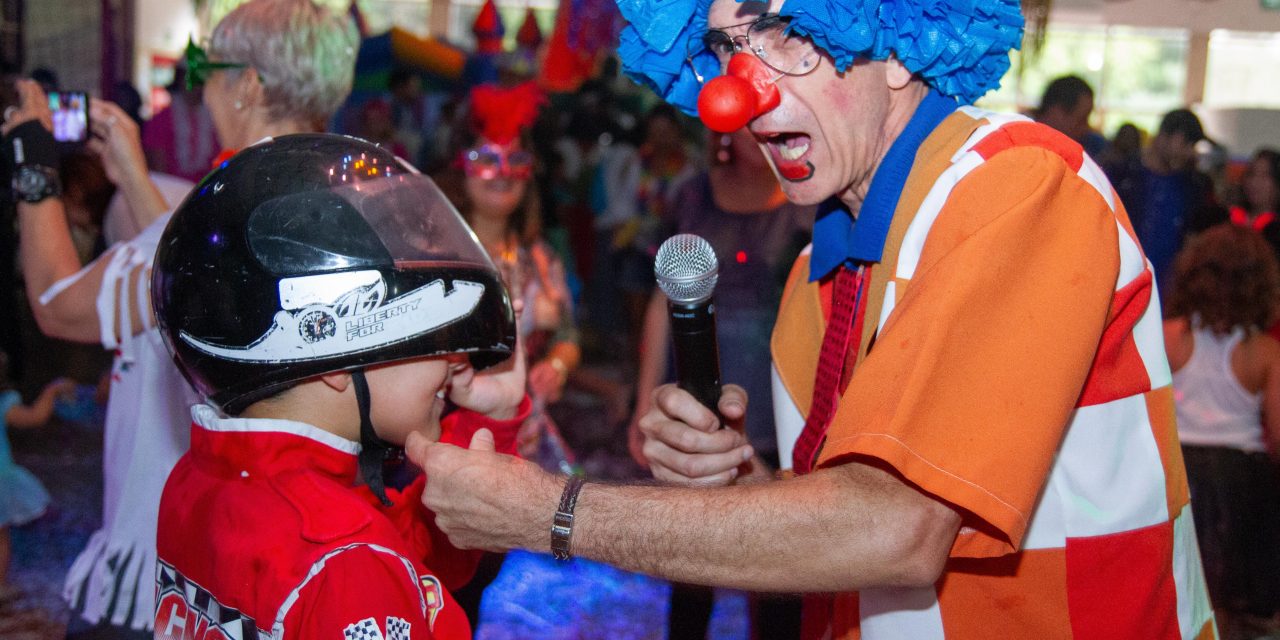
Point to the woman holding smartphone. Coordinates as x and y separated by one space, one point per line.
273 67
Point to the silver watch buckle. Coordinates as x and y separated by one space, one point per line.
561 532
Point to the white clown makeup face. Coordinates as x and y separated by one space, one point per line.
829 131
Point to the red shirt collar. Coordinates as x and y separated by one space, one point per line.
244 445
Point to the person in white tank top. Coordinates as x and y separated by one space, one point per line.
1214 405
1226 384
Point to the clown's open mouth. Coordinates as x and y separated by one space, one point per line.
790 153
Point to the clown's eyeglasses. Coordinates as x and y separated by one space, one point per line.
199 67
490 161
767 38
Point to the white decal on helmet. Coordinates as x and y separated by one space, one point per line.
352 321
329 288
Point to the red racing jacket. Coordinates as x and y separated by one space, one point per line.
264 534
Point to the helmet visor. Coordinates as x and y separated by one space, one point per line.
400 221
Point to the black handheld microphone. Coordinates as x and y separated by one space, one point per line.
686 269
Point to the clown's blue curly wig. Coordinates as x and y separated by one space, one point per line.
959 47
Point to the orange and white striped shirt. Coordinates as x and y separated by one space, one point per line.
1017 372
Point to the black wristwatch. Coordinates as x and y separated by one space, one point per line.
35 182
31 151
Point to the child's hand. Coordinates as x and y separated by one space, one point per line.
39 412
496 392
60 389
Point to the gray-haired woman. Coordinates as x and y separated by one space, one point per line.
277 67
274 67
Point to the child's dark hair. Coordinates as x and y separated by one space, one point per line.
1226 277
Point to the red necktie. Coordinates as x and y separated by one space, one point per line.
848 305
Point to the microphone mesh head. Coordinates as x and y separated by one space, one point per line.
686 269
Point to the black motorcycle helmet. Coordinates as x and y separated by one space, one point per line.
314 253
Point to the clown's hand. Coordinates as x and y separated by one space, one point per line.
482 499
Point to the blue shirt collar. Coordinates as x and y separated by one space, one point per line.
836 238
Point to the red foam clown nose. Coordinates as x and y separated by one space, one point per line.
747 89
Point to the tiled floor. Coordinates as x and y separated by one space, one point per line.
535 596
67 458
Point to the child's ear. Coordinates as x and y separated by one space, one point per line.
338 381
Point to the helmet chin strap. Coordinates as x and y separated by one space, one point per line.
374 451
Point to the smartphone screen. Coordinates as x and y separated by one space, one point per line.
70 115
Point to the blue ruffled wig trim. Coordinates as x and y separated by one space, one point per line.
655 42
959 47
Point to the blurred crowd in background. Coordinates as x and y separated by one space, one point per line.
599 176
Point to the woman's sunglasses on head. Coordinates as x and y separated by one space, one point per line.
199 67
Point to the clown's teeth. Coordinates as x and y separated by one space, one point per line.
793 153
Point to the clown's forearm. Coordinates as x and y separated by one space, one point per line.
836 530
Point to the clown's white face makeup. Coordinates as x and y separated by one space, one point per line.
830 130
